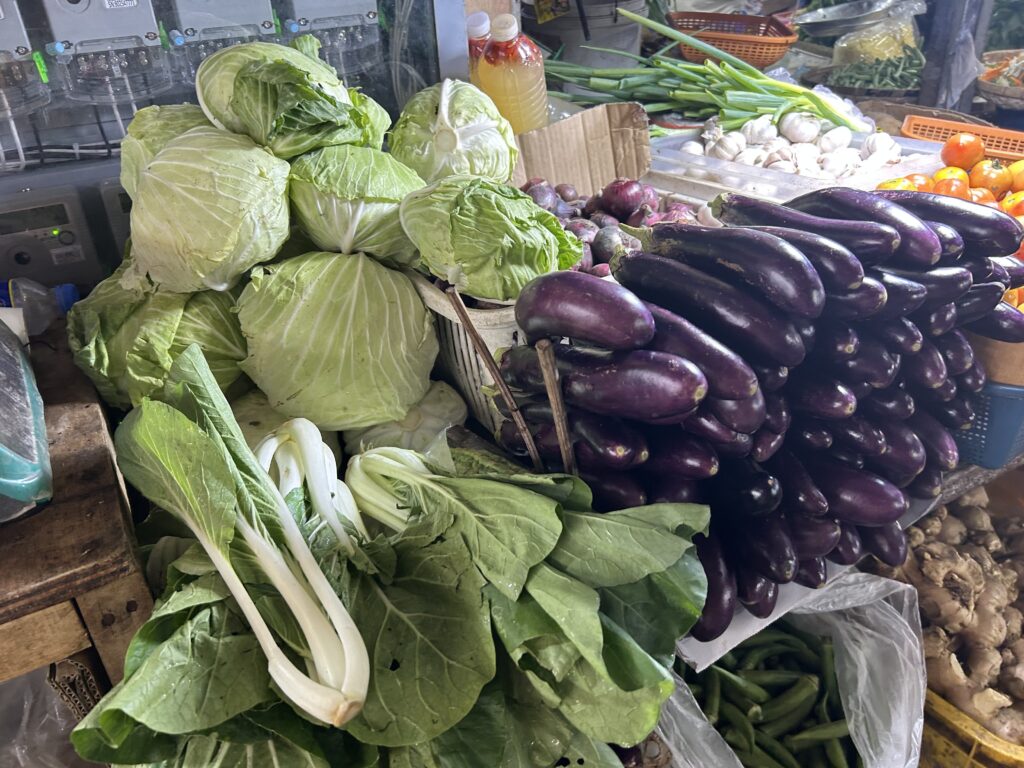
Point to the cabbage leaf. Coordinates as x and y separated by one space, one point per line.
148 133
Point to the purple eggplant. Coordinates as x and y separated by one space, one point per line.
926 369
949 238
728 375
860 435
919 245
891 403
956 351
807 329
677 489
721 597
846 456
811 573
614 444
751 587
957 414
673 453
849 550
979 302
835 264
765 546
1004 323
771 379
821 398
928 484
810 437
837 342
860 389
906 455
973 380
943 393
745 489
765 607
726 442
856 496
745 415
615 490
937 321
862 302
903 294
766 444
777 415
942 284
886 542
812 536
999 273
900 336
800 494
873 365
939 446
1014 269
979 267
520 366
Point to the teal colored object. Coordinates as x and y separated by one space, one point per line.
25 475
997 435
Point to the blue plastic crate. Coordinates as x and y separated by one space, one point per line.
997 434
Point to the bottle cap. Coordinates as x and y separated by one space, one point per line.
478 24
66 295
504 28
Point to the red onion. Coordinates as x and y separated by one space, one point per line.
532 183
609 240
600 270
567 192
644 217
603 219
623 196
651 196
593 205
544 196
584 229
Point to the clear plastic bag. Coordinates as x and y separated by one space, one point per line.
35 725
884 40
876 630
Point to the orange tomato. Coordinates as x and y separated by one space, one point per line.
1012 297
991 175
953 188
982 195
921 182
1018 178
1017 166
951 172
900 183
1013 203
964 150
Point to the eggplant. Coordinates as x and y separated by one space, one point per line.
846 456
860 389
835 264
837 342
979 301
585 308
765 607
873 365
854 495
811 437
986 231
751 587
812 536
726 442
937 321
950 240
807 329
765 547
903 294
973 380
615 490
900 336
1014 269
939 446
674 453
956 351
800 495
942 285
772 379
520 366
811 573
821 398
720 604
858 434
745 489
778 271
999 273
862 302
873 242
766 444
891 403
745 416
943 393
743 322
886 542
849 550
919 246
906 455
980 268
1004 323
615 444
669 489
928 484
926 369
777 415
728 375
957 414
641 385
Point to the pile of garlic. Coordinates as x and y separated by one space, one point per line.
800 143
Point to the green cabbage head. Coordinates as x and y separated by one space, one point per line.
286 99
148 133
488 240
338 339
125 338
440 408
346 199
208 207
454 128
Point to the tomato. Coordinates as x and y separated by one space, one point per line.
1018 178
950 172
1013 203
901 183
982 195
1012 297
991 175
953 188
964 150
1016 167
921 182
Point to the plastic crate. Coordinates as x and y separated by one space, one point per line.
758 40
953 740
999 143
997 434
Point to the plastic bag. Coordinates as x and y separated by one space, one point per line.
35 725
876 630
884 40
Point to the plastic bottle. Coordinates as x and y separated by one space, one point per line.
511 72
478 27
39 305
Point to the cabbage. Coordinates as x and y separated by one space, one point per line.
257 419
440 408
346 199
486 239
286 100
125 339
208 207
338 339
148 132
454 128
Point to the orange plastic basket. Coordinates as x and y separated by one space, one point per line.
999 143
758 40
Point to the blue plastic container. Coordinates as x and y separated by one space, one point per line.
997 434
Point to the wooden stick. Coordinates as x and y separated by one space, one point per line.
492 367
546 352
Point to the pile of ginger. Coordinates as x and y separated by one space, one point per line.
967 562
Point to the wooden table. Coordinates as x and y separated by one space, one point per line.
70 581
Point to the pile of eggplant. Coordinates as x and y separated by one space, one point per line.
800 369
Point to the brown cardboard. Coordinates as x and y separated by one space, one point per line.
588 149
1003 363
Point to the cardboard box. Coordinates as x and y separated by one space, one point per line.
1003 363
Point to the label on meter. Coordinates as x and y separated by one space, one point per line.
70 255
113 4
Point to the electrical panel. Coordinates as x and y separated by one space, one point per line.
348 30
22 89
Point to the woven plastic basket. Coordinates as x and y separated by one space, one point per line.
997 434
999 143
953 740
758 40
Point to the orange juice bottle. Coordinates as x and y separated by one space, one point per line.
511 72
478 27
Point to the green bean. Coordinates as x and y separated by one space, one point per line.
839 729
728 660
714 696
770 677
739 721
776 750
835 754
788 722
757 656
752 691
805 688
828 675
697 690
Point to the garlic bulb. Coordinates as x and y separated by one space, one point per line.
779 142
785 166
837 138
784 154
759 131
727 147
712 131
751 156
800 127
805 154
692 148
881 144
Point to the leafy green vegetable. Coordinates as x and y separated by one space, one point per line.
486 239
375 341
440 408
148 132
454 128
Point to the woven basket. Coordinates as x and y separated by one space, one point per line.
1005 96
758 40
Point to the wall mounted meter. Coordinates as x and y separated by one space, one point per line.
118 208
348 31
22 89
